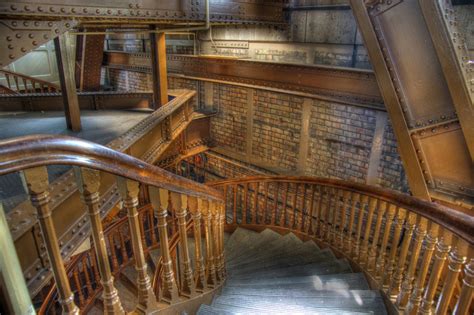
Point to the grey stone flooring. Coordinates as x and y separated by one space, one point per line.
97 126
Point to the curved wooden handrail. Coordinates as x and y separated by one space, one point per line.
457 222
21 153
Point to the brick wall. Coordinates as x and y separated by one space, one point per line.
122 80
340 137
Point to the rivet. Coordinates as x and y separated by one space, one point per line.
50 24
9 38
27 8
35 43
85 10
51 9
40 9
13 7
18 35
31 35
23 49
14 23
26 23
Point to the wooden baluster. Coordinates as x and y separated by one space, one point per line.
390 264
265 203
113 251
255 219
215 238
180 206
151 220
442 250
275 203
415 298
362 204
380 264
129 190
143 234
211 277
363 255
343 215
407 285
95 269
335 214
456 261
244 210
302 213
85 270
88 182
283 209
35 181
322 221
467 290
395 285
160 201
331 200
225 199
355 197
77 283
293 206
195 206
375 240
7 78
317 228
244 206
123 247
220 207
308 222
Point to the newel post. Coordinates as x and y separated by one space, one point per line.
210 266
195 207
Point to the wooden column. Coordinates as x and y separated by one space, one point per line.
160 200
159 71
210 268
88 183
65 60
146 298
35 181
195 209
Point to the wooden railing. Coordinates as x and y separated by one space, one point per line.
22 84
167 193
419 254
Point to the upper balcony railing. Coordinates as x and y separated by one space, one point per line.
17 83
167 193
401 242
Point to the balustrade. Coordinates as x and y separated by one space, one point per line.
127 239
19 83
392 237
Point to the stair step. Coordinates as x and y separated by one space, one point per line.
250 310
325 267
343 299
127 297
283 246
211 310
295 290
237 239
129 277
284 262
354 281
254 241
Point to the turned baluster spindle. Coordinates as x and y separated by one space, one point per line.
380 264
456 261
335 215
113 251
180 206
255 208
265 204
244 209
415 299
390 264
329 209
307 222
245 205
363 255
129 191
88 182
215 217
221 237
195 207
85 270
355 197
294 206
160 201
283 206
358 235
123 247
442 250
467 290
211 277
35 181
323 210
275 203
409 226
343 218
77 283
372 255
407 284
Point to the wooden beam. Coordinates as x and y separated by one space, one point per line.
158 69
65 60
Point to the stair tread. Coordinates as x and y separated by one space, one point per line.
297 291
328 282
325 267
127 297
286 243
254 241
292 260
230 309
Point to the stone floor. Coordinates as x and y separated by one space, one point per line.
97 126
